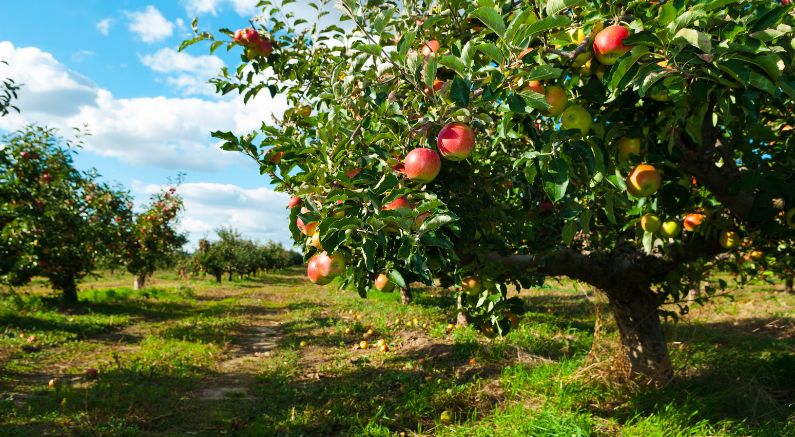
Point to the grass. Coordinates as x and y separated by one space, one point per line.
195 357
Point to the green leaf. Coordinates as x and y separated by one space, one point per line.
695 38
543 72
555 6
556 179
491 18
545 24
512 33
648 241
619 74
459 92
534 100
611 215
569 229
468 53
397 278
435 223
429 72
454 64
492 51
368 253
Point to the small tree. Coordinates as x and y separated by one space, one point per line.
154 240
55 221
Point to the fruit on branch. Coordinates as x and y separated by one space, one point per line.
274 156
627 147
307 229
576 117
304 110
643 181
246 37
399 203
294 201
437 86
692 221
669 229
430 47
650 223
729 239
456 141
382 283
536 85
315 241
471 285
313 272
422 165
608 45
557 99
756 255
330 266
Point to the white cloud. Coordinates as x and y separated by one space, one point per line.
258 213
149 24
185 72
170 133
103 26
82 55
245 8
198 7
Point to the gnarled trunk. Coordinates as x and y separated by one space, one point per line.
139 281
788 285
635 313
405 295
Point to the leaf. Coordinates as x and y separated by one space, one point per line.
611 215
556 179
454 64
468 53
512 34
619 76
368 253
397 278
569 228
648 241
459 92
491 18
543 72
695 38
546 24
492 51
435 223
430 70
555 6
534 100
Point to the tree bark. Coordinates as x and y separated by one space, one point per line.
462 319
788 284
139 281
635 313
694 293
218 277
69 289
230 276
405 295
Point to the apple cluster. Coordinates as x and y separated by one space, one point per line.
255 44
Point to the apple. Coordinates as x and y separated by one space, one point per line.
608 45
399 203
659 93
92 373
536 85
383 348
437 86
456 141
430 47
576 117
789 219
422 165
54 383
304 110
729 239
274 157
46 177
627 147
512 318
600 72
669 229
307 229
693 221
446 416
382 283
557 99
650 223
263 47
294 201
756 255
363 344
643 181
471 284
313 272
315 241
330 266
246 36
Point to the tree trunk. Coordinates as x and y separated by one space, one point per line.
405 295
694 293
635 313
788 284
230 276
218 277
69 288
462 319
139 281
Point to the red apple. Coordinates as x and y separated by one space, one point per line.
643 181
693 221
430 47
313 272
263 47
536 85
399 203
557 99
274 157
352 173
422 165
307 229
330 266
294 201
608 45
437 86
92 373
456 141
382 283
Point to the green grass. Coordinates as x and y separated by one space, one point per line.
194 357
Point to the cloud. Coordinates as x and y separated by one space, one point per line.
82 55
103 26
198 7
169 133
258 213
189 74
149 24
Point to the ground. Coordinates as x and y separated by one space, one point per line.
192 357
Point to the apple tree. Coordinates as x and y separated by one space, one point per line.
482 144
55 221
154 240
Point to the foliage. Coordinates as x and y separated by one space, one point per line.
233 254
8 92
55 221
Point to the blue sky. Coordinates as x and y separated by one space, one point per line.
114 66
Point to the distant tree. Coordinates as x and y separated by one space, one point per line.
154 240
55 221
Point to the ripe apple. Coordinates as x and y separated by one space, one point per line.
92 373
456 141
576 117
382 283
330 266
294 201
669 229
383 348
302 343
650 223
729 239
46 177
608 45
693 221
246 36
756 255
422 165
363 344
430 47
54 382
274 157
789 219
263 47
437 86
313 272
307 229
512 318
627 147
643 181
471 284
315 241
536 85
557 99
399 203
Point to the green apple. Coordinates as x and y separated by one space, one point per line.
576 117
670 229
650 223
